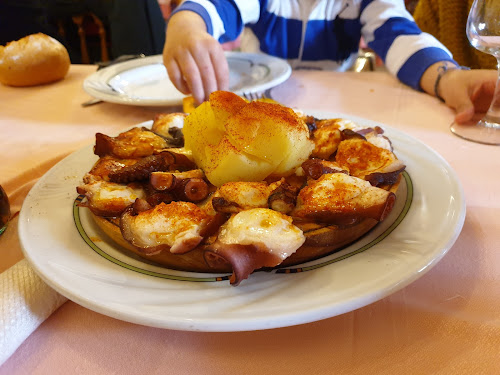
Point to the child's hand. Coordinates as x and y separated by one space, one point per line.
194 60
468 91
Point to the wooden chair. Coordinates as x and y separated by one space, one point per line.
89 24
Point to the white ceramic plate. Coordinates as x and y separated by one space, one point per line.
70 253
144 81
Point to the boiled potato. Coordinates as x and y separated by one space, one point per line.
271 132
225 163
232 140
188 104
298 152
200 130
259 129
225 104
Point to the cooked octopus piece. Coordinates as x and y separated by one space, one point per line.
169 125
329 133
340 199
166 181
107 198
326 140
253 239
283 197
364 160
234 197
376 137
134 143
108 164
379 140
139 171
339 123
162 161
189 186
177 227
315 168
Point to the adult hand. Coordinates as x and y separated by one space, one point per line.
195 61
468 91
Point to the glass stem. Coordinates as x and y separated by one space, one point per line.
493 114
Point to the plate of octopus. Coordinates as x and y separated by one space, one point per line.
241 216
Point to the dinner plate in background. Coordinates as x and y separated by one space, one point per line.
76 259
144 81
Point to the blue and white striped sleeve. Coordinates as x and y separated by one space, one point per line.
392 33
224 18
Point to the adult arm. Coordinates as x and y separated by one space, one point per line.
466 91
415 57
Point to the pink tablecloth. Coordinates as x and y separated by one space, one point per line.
447 322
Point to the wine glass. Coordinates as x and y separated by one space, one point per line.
483 31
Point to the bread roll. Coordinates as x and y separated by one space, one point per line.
33 60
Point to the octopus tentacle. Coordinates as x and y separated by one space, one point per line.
141 170
283 198
315 168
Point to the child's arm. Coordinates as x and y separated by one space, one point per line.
192 54
194 60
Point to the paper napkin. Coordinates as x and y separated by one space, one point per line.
25 302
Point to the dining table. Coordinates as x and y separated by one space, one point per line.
446 321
